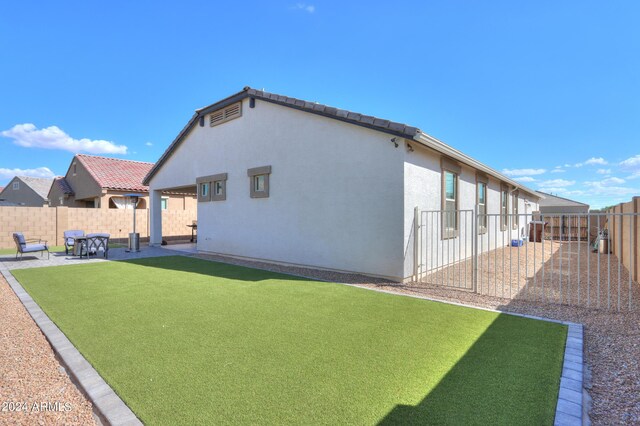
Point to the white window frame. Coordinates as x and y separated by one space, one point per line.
16 185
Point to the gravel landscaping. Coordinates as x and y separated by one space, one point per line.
31 379
561 272
612 339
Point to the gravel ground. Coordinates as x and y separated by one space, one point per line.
612 339
570 275
31 378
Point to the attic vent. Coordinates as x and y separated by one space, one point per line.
225 114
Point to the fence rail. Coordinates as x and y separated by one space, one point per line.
567 259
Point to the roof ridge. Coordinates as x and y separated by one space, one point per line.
114 159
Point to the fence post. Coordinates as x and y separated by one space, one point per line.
62 223
474 253
416 243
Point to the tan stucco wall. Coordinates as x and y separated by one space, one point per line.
24 196
49 223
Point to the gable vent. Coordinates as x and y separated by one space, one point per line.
225 114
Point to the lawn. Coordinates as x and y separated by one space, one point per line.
187 341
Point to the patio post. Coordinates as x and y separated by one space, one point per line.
155 217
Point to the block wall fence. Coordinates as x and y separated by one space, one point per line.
49 223
624 233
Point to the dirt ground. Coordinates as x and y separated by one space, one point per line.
34 389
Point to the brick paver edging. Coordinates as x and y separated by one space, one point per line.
108 405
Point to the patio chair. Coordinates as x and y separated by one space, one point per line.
96 243
69 239
23 246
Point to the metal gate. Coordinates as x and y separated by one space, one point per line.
572 259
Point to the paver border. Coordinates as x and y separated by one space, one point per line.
569 408
105 401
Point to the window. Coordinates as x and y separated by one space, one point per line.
74 169
219 187
504 207
481 195
450 172
515 219
61 200
212 188
16 185
225 114
204 184
164 203
259 181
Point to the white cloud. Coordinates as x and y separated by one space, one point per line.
556 183
523 172
42 172
558 170
29 136
306 7
631 162
525 179
592 162
606 182
603 171
148 144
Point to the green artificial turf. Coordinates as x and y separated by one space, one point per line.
187 341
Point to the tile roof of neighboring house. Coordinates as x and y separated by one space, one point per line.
555 201
40 185
114 173
1 188
64 186
379 124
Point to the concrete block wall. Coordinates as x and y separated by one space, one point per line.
624 233
49 223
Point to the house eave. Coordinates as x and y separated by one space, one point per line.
437 145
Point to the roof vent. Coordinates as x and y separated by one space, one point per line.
225 114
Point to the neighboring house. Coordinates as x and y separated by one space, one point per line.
555 204
102 182
296 182
1 188
26 191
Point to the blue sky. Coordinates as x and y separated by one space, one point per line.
547 92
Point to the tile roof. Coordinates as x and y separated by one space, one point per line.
370 121
40 185
1 188
64 186
114 173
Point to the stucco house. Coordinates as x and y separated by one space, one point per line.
26 191
289 181
102 182
553 204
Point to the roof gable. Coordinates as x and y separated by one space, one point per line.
378 124
40 186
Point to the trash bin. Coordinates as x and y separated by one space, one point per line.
603 246
535 230
134 241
